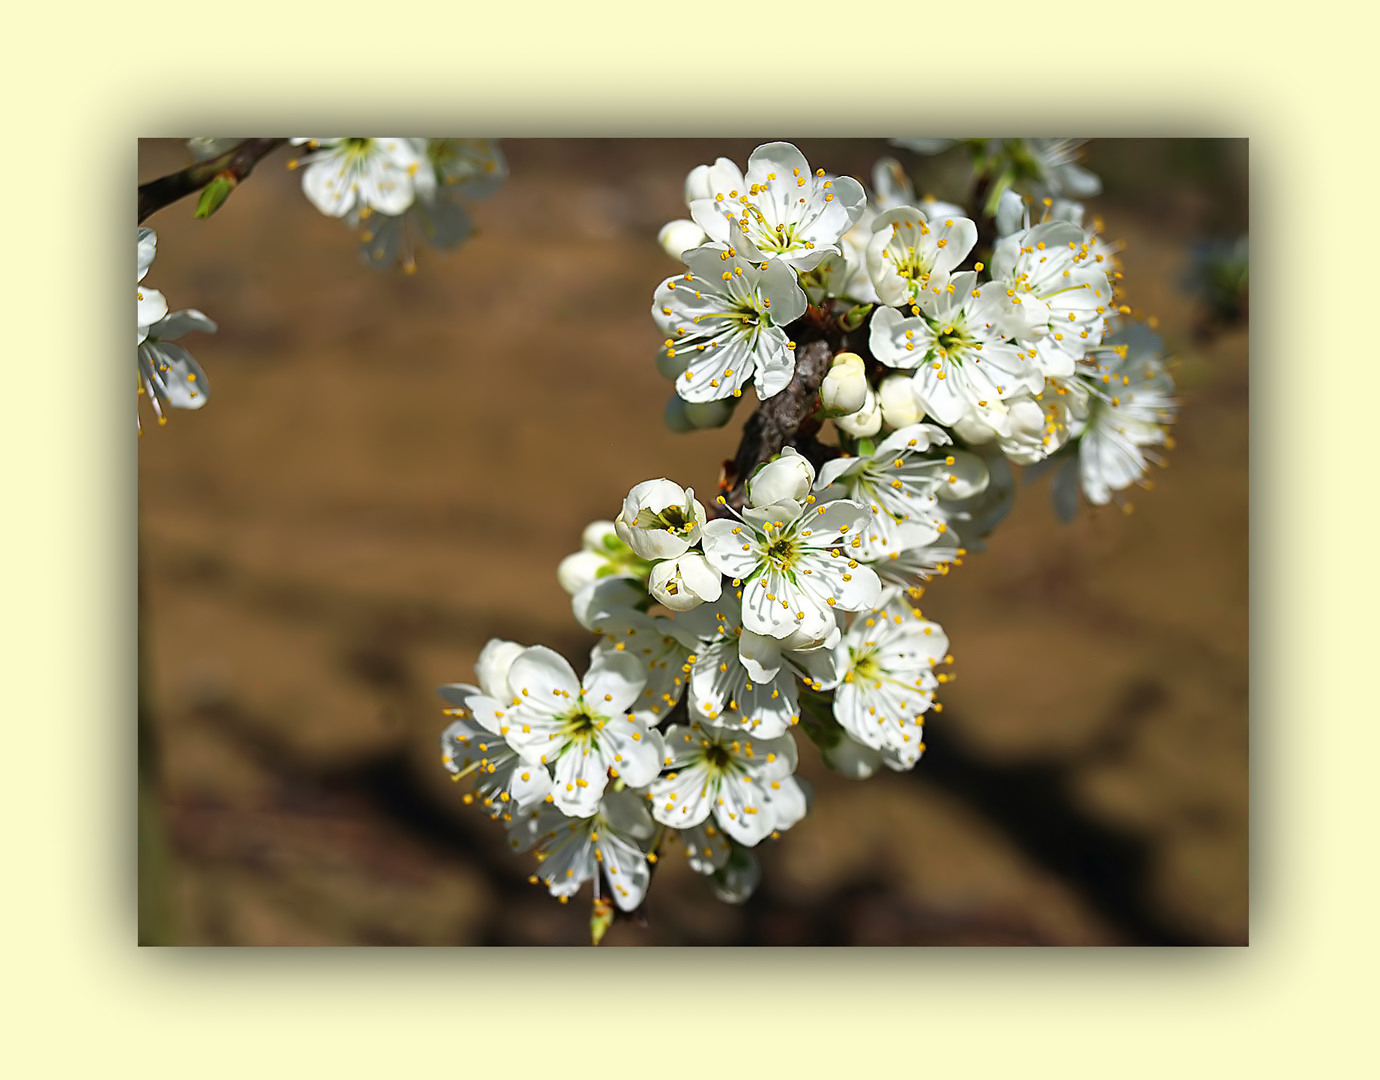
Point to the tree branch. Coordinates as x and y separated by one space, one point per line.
237 163
787 419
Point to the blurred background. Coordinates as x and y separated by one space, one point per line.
391 466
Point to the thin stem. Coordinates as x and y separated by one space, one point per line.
237 162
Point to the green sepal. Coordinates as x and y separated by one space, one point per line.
855 316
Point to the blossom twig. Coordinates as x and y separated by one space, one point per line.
785 419
237 162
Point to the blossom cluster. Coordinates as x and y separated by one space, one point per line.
718 638
1018 359
724 632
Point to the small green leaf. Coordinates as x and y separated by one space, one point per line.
213 196
866 448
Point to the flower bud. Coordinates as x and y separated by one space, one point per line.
682 415
844 389
660 520
685 583
578 570
789 477
866 421
603 554
896 395
679 236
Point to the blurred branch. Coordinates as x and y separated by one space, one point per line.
235 164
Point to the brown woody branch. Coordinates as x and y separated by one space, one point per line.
237 163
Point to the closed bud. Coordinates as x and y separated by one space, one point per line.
682 415
789 477
844 389
679 236
896 395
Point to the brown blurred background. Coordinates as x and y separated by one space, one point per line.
391 467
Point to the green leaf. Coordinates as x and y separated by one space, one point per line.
213 196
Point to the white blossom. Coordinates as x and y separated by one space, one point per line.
723 319
744 781
741 678
168 373
472 743
1047 294
794 563
907 250
571 852
383 175
899 484
961 360
660 519
890 682
1132 406
583 729
463 170
785 212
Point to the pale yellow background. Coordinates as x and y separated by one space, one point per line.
81 86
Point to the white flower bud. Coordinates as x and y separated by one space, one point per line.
896 395
789 477
685 583
601 536
578 570
492 667
866 421
844 389
679 236
660 520
603 554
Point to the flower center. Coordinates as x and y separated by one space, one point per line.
717 758
782 552
580 727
